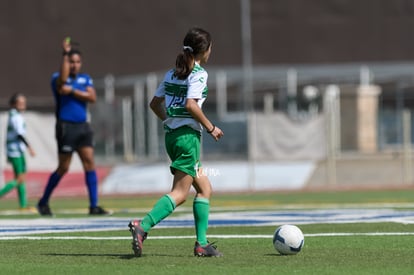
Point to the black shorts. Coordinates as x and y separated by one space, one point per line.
71 136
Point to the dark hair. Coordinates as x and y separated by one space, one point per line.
74 51
195 42
13 98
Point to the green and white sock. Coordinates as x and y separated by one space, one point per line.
162 209
201 210
21 190
8 187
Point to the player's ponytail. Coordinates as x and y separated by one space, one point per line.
197 41
184 64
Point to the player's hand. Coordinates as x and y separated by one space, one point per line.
217 133
66 90
66 44
32 152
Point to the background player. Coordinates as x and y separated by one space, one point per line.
73 91
16 145
177 102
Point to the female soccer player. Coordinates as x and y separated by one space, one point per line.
16 146
73 91
177 102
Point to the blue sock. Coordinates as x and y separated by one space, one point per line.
51 184
92 184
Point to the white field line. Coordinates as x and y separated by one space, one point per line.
185 209
209 236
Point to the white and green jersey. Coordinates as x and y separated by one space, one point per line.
15 126
176 93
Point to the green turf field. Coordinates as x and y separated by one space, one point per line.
333 248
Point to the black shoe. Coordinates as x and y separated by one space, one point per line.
97 210
44 210
209 250
138 237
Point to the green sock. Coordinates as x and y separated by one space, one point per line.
201 210
162 209
21 190
7 187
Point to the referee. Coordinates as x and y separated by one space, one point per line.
73 91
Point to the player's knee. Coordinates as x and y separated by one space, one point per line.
88 163
20 180
205 190
179 198
62 170
180 201
88 166
205 194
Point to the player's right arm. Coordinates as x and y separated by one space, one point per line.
157 103
64 68
157 106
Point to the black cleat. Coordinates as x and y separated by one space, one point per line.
97 210
209 250
138 237
44 209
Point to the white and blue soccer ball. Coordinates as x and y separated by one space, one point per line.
288 239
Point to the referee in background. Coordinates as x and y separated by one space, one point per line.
73 91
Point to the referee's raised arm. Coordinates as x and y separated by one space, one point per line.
65 66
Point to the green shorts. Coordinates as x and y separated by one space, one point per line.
183 148
19 165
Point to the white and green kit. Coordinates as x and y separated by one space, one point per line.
183 132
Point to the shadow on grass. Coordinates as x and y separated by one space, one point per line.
276 255
120 256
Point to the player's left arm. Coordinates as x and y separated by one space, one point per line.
198 84
24 140
192 107
18 125
89 95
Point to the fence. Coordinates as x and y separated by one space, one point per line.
298 92
286 98
292 115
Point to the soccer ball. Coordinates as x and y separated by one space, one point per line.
288 239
